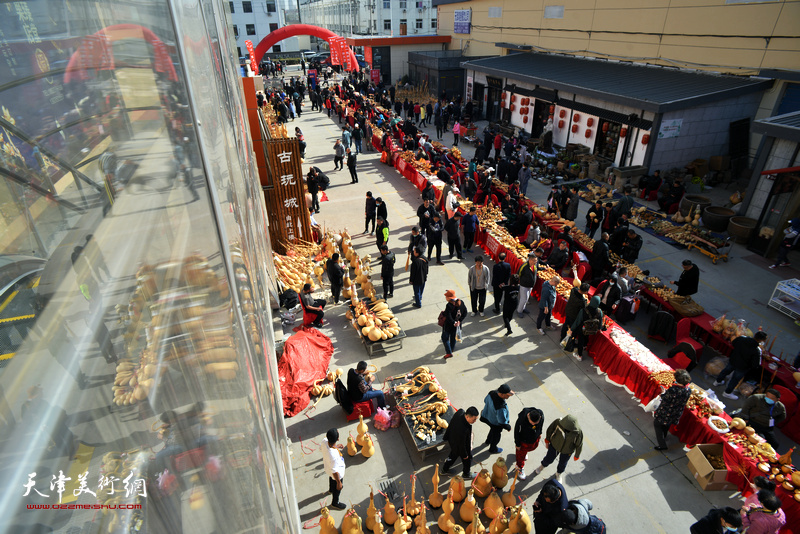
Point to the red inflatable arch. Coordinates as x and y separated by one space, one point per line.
297 29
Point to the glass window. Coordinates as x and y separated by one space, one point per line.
276 48
404 22
387 4
239 51
433 24
419 4
387 24
231 5
403 4
271 7
236 33
247 7
273 26
251 29
418 24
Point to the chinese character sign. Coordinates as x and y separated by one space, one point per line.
253 64
462 20
286 201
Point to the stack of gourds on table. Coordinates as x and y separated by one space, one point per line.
424 413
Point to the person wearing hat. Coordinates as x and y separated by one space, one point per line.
495 414
576 518
564 438
689 280
382 232
527 432
333 461
527 279
454 313
588 322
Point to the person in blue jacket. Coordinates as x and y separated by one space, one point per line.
546 303
495 414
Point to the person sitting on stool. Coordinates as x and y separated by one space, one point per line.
359 385
313 306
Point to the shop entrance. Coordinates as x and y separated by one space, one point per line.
477 101
493 108
608 140
541 112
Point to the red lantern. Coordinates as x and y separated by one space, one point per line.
502 103
560 124
588 133
562 113
645 139
513 98
623 132
512 106
605 127
574 128
589 121
503 96
524 111
576 117
525 119
553 110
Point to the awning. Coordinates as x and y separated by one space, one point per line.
786 126
780 171
649 88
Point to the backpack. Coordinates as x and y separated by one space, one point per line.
590 326
341 395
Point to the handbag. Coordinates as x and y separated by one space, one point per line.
569 346
442 318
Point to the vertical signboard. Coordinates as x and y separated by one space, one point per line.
286 202
368 55
253 64
462 21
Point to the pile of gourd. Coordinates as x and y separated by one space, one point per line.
363 440
692 220
362 270
595 192
295 271
375 321
424 413
319 390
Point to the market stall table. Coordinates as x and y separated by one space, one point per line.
423 446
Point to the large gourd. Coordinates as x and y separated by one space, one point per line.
369 521
435 499
492 505
403 522
499 524
389 513
459 488
377 524
351 524
369 449
362 430
412 507
520 521
482 484
446 519
421 521
468 507
351 446
509 499
786 458
326 523
500 473
476 527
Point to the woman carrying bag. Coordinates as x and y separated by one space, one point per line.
588 323
450 321
670 409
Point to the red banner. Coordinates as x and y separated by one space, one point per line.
335 51
253 65
368 55
375 74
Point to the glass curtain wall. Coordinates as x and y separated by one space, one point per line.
138 384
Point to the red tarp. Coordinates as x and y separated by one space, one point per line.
306 356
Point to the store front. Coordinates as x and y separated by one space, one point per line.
494 88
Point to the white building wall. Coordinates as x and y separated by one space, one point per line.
261 18
370 17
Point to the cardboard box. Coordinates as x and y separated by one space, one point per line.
719 163
710 479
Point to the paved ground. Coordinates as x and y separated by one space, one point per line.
633 487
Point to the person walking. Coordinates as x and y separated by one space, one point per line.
380 209
333 461
564 438
689 280
594 218
351 166
510 300
501 274
527 433
458 436
588 322
470 224
338 155
791 240
762 412
382 232
312 183
418 275
479 278
335 276
417 240
453 229
546 303
495 414
599 260
746 355
456 133
575 303
425 213
387 271
435 238
347 138
454 313
548 507
370 209
357 138
527 280
669 412
439 123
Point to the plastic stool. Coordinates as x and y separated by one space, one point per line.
364 408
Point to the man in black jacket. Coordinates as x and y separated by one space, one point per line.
435 228
313 189
718 520
599 261
527 279
631 247
387 271
527 431
428 193
351 166
453 229
417 240
418 275
380 209
336 276
459 436
575 303
559 258
617 239
359 385
763 412
746 355
547 508
501 273
370 208
425 213
689 280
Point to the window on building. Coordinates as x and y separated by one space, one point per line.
273 26
433 24
276 48
554 12
418 24
496 12
251 29
404 22
271 7
403 4
387 4
239 51
420 4
236 32
387 25
247 7
231 4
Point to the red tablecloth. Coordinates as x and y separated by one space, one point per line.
619 367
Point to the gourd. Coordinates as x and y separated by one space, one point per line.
499 473
482 483
413 506
446 519
371 510
738 423
520 521
476 527
389 513
369 449
351 446
362 430
377 526
421 521
326 523
492 505
509 499
351 524
457 529
499 524
459 488
403 522
468 507
435 499
786 458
